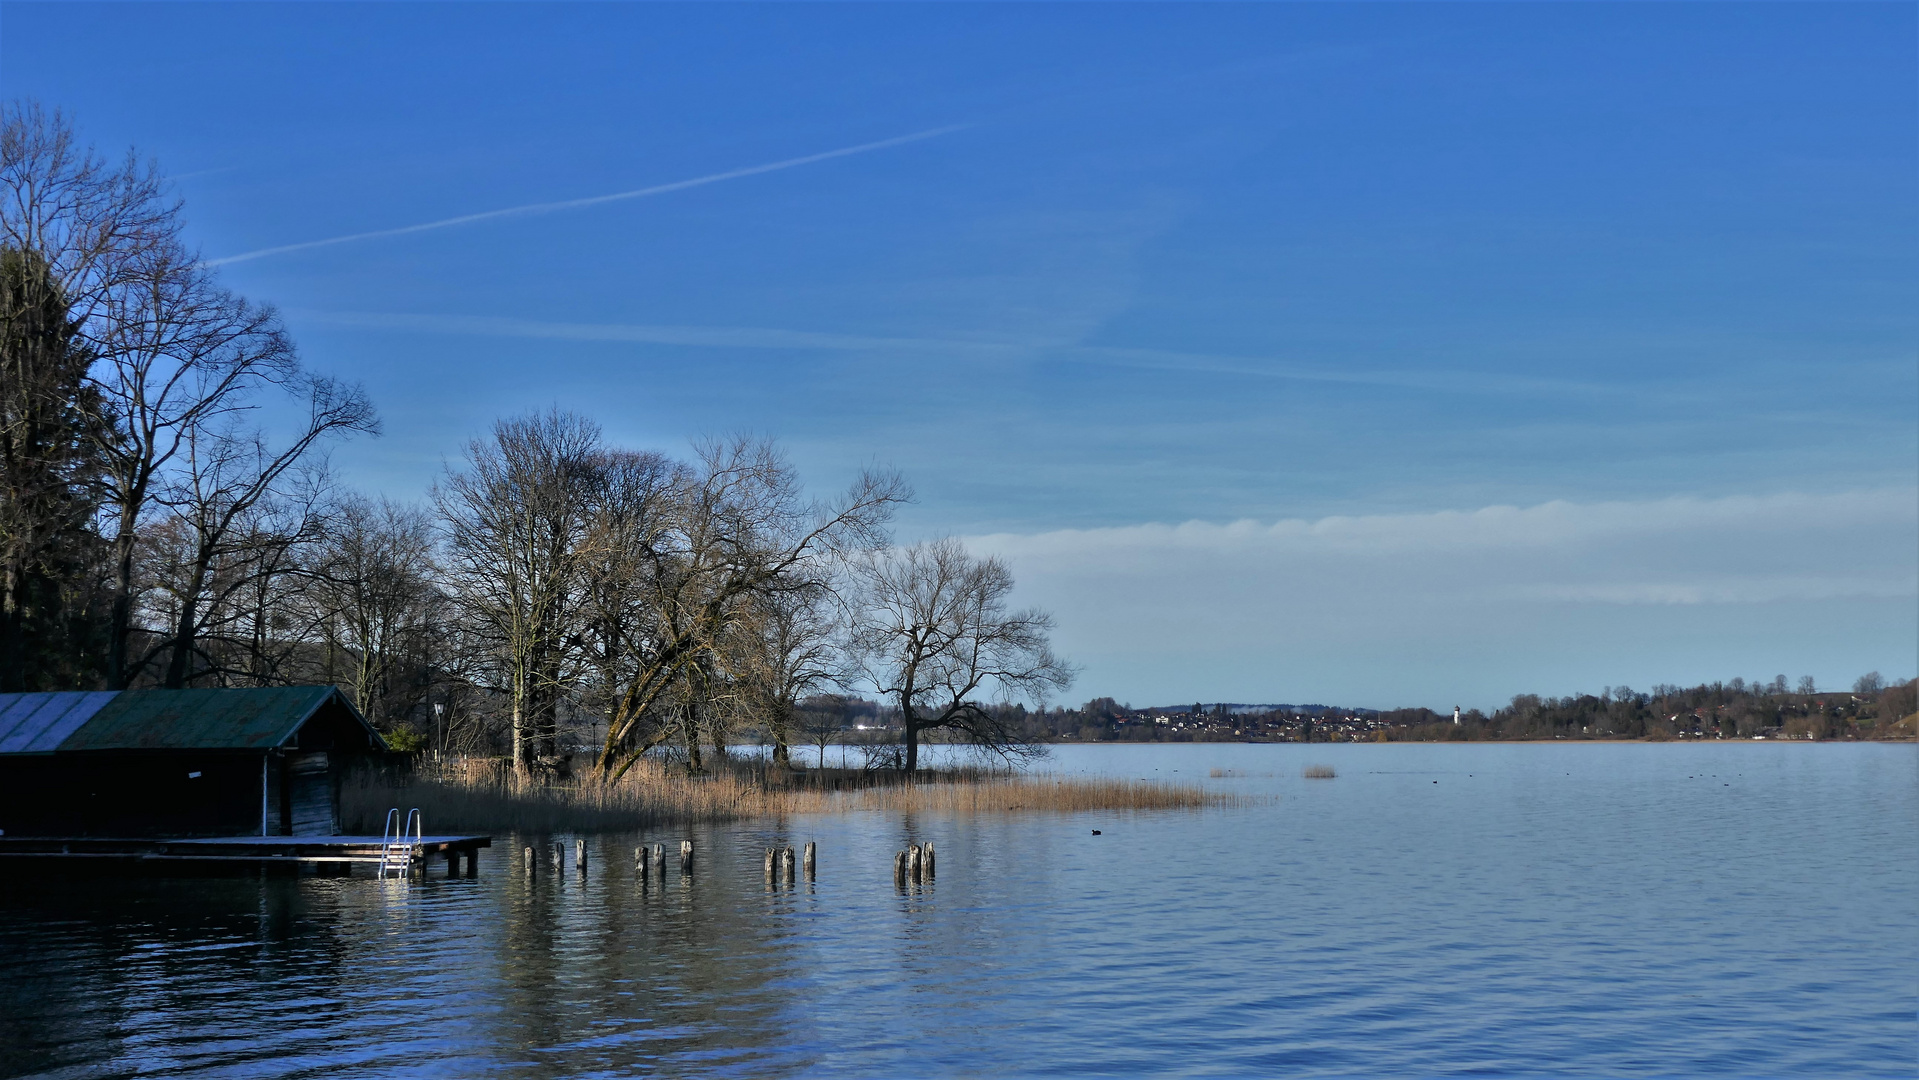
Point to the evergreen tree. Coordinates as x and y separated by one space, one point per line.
49 625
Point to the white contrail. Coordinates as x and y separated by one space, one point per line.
594 200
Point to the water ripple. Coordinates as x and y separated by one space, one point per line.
1543 910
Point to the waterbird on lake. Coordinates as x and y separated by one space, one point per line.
1095 832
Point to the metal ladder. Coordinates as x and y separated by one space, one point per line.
401 843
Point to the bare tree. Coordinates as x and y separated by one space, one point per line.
228 480
785 646
377 602
823 718
255 628
741 530
472 715
176 358
934 635
633 506
516 521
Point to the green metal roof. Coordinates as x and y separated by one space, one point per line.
37 723
246 719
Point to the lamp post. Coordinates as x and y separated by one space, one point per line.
439 730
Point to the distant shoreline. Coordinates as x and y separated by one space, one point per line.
1889 741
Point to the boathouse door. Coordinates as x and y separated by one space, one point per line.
310 795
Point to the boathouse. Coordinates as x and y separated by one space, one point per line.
179 763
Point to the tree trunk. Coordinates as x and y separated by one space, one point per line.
122 613
519 734
782 754
690 727
910 727
13 645
549 708
694 764
180 663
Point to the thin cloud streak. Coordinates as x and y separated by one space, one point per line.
754 337
718 337
1236 367
592 200
177 177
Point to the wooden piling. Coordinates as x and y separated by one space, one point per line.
914 865
899 868
639 861
531 863
579 855
686 856
659 860
926 856
786 864
769 866
809 860
559 857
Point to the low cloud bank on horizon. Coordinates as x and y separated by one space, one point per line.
1471 607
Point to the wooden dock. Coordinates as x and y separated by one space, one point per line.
328 854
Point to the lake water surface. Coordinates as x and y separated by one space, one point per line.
1575 910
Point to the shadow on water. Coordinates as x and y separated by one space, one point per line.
95 965
553 974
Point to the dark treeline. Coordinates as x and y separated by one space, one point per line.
552 596
1729 710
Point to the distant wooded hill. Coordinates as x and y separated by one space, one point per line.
1728 710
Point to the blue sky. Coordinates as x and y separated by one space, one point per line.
1645 273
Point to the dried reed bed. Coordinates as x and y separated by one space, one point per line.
1037 793
486 799
478 797
1318 772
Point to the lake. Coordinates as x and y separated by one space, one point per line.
1546 909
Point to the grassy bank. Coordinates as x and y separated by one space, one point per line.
484 799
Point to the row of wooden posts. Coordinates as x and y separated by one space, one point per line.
779 863
914 865
648 861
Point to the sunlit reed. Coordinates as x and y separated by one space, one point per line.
486 799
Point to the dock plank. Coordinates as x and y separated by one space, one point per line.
255 849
